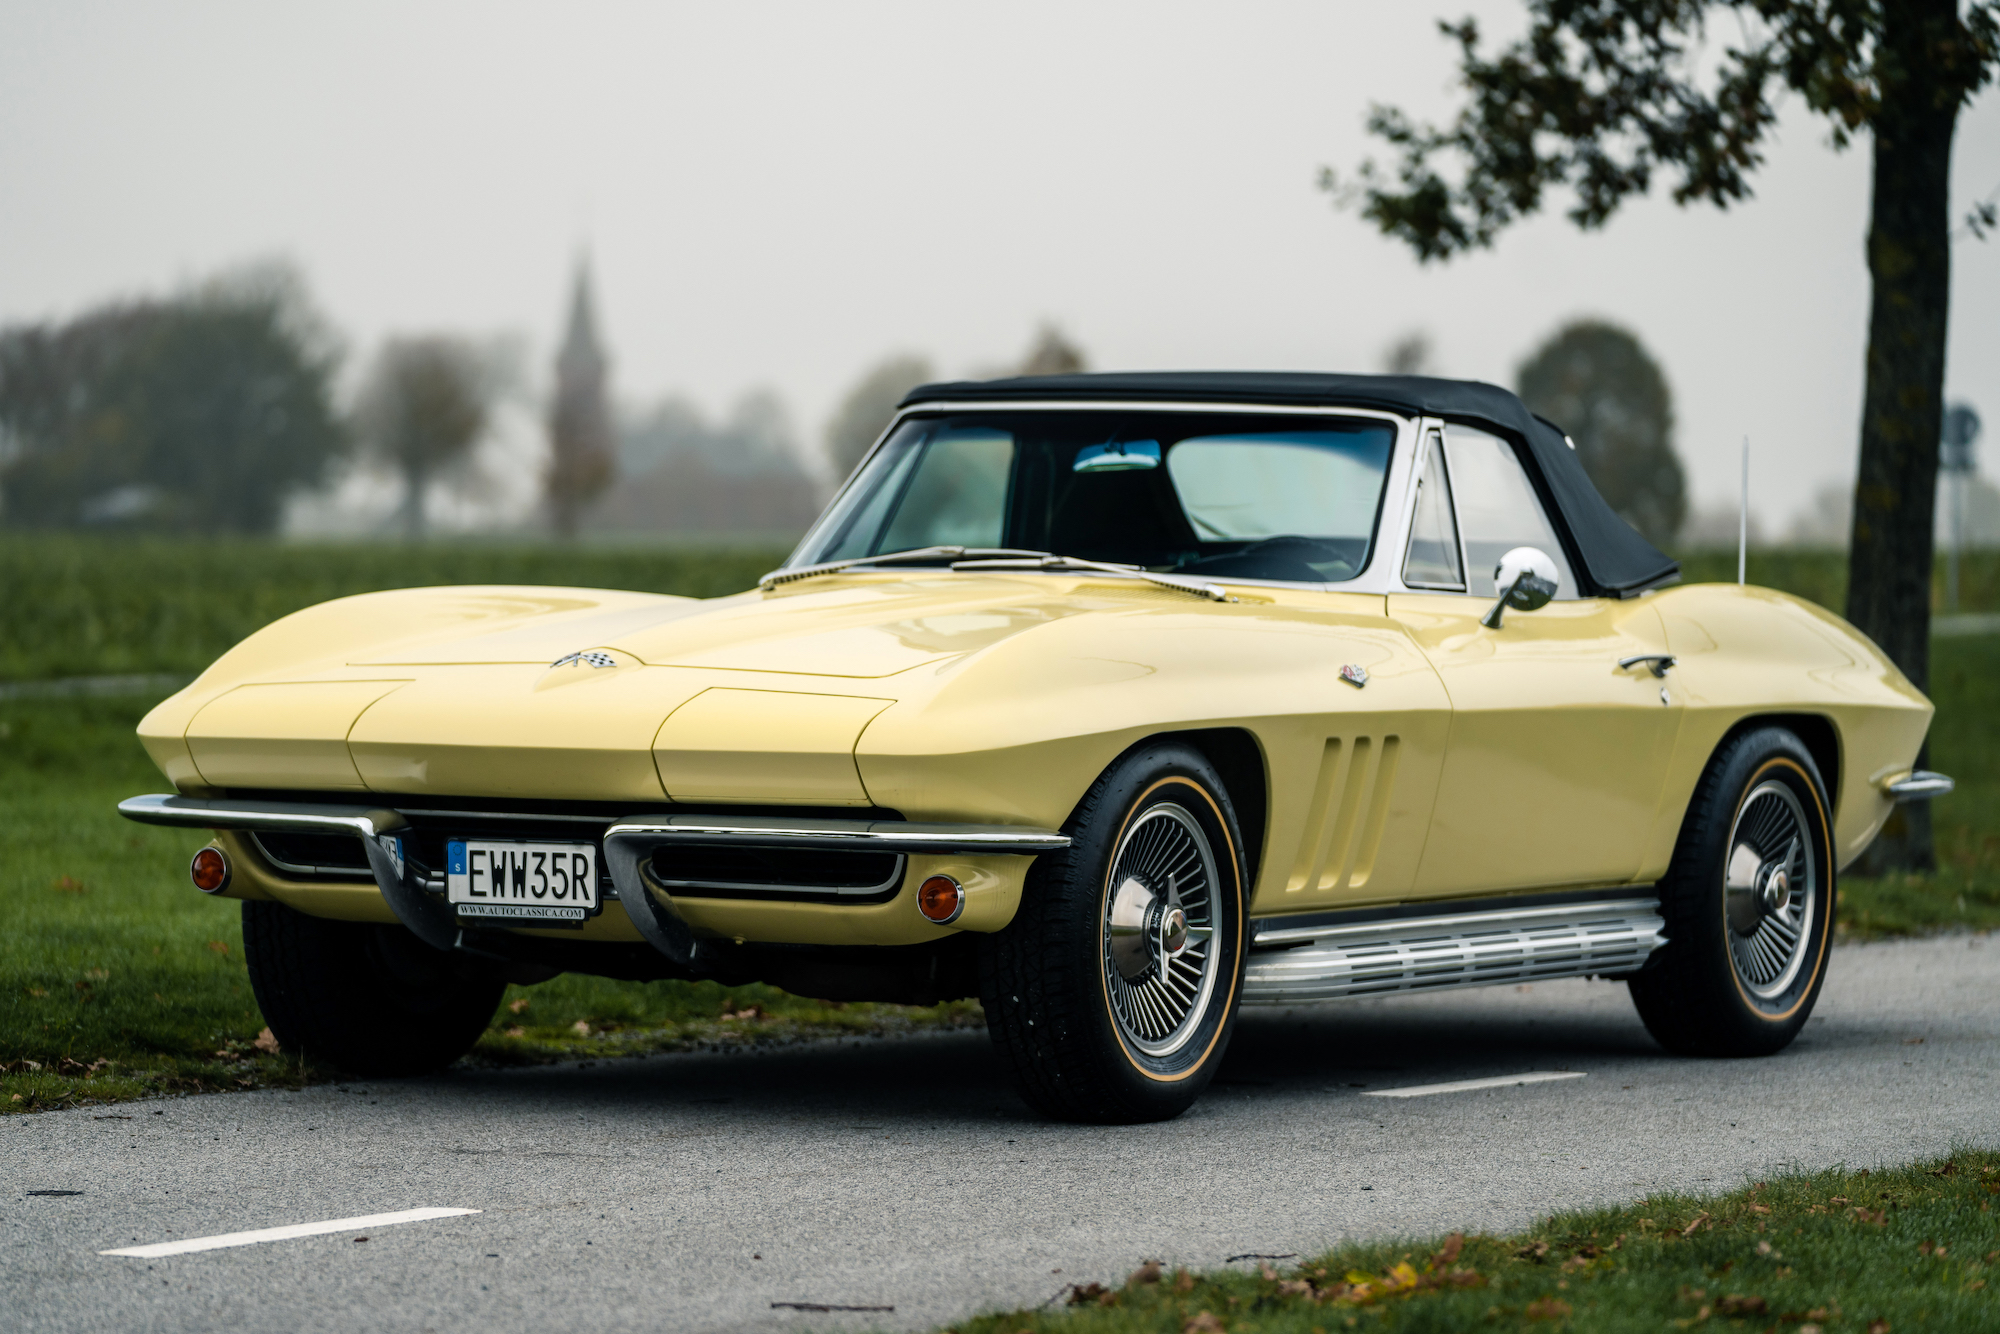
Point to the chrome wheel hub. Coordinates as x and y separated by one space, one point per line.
1159 928
1146 929
1770 890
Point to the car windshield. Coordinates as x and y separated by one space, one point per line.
1248 496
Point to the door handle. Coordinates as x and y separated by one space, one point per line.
1659 664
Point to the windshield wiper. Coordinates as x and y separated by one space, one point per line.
1045 560
914 556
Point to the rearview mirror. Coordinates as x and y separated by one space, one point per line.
1527 579
1118 456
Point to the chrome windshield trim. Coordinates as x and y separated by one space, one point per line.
1142 405
1370 579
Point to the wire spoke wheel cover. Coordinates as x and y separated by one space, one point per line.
1158 948
1748 904
1771 890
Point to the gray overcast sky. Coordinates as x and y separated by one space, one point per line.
782 193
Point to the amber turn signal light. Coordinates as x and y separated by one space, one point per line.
940 900
209 870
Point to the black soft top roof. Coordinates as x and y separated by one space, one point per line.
1609 554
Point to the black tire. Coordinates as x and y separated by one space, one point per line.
1075 1033
1743 966
368 999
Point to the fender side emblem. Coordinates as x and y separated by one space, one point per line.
1355 675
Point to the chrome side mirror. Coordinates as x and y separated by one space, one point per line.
1527 579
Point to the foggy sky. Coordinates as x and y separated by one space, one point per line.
782 194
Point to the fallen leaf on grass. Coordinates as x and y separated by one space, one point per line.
518 1005
1878 1217
1534 1250
1760 1208
1149 1272
1878 1327
68 884
515 1032
1740 1303
1949 1169
38 992
218 947
581 1027
1449 1251
1204 1322
1083 1294
1547 1308
1840 1199
267 1042
730 1013
1699 1219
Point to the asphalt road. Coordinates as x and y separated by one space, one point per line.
691 1192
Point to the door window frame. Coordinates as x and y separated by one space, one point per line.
1427 428
1430 442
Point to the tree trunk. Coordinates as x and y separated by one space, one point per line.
416 481
1909 262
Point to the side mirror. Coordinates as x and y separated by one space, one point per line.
1527 579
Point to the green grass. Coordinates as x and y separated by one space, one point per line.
81 607
1821 576
1902 1249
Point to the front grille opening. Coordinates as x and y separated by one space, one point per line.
313 854
787 871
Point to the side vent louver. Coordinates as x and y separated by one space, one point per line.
1350 804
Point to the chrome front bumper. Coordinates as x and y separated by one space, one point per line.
628 844
1917 785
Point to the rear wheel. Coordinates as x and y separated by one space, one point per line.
1748 903
1113 992
365 998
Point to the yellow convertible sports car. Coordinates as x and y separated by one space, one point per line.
1116 701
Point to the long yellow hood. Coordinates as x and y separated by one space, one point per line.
557 692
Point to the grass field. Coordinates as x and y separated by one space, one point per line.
116 979
1902 1249
81 607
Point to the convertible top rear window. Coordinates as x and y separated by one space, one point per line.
1248 496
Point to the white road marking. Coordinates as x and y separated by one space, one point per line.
226 1239
1467 1085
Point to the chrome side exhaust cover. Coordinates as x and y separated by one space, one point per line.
1471 949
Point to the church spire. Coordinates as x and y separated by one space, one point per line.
580 428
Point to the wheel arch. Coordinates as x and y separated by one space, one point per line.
1239 762
1817 732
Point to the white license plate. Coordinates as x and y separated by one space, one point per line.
536 881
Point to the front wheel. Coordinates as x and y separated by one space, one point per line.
1748 902
1113 992
369 999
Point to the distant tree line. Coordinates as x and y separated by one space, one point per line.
199 413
